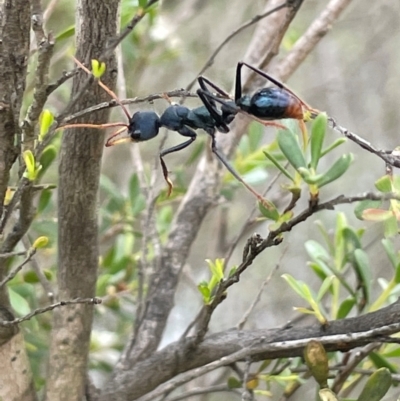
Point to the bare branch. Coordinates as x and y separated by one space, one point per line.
18 268
39 311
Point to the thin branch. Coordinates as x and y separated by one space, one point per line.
18 268
235 32
347 370
128 29
391 157
39 311
66 75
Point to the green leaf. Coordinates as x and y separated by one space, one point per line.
376 386
381 362
46 119
98 69
18 303
336 171
47 158
363 270
234 383
345 307
384 184
296 285
44 200
268 210
289 145
334 145
276 163
65 34
318 130
325 286
205 291
31 169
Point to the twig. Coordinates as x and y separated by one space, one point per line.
252 21
15 271
243 320
128 29
347 370
66 75
94 301
247 394
391 157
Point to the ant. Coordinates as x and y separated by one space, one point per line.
145 125
265 104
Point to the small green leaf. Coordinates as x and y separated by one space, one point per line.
325 286
46 119
289 145
318 130
205 291
47 158
65 34
334 145
381 362
31 169
98 69
296 285
345 307
268 210
376 386
234 383
384 184
363 270
276 163
336 171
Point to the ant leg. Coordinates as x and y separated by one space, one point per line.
105 87
210 105
225 162
238 82
203 81
185 131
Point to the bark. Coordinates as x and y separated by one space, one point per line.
81 152
15 373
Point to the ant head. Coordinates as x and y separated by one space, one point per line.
143 125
